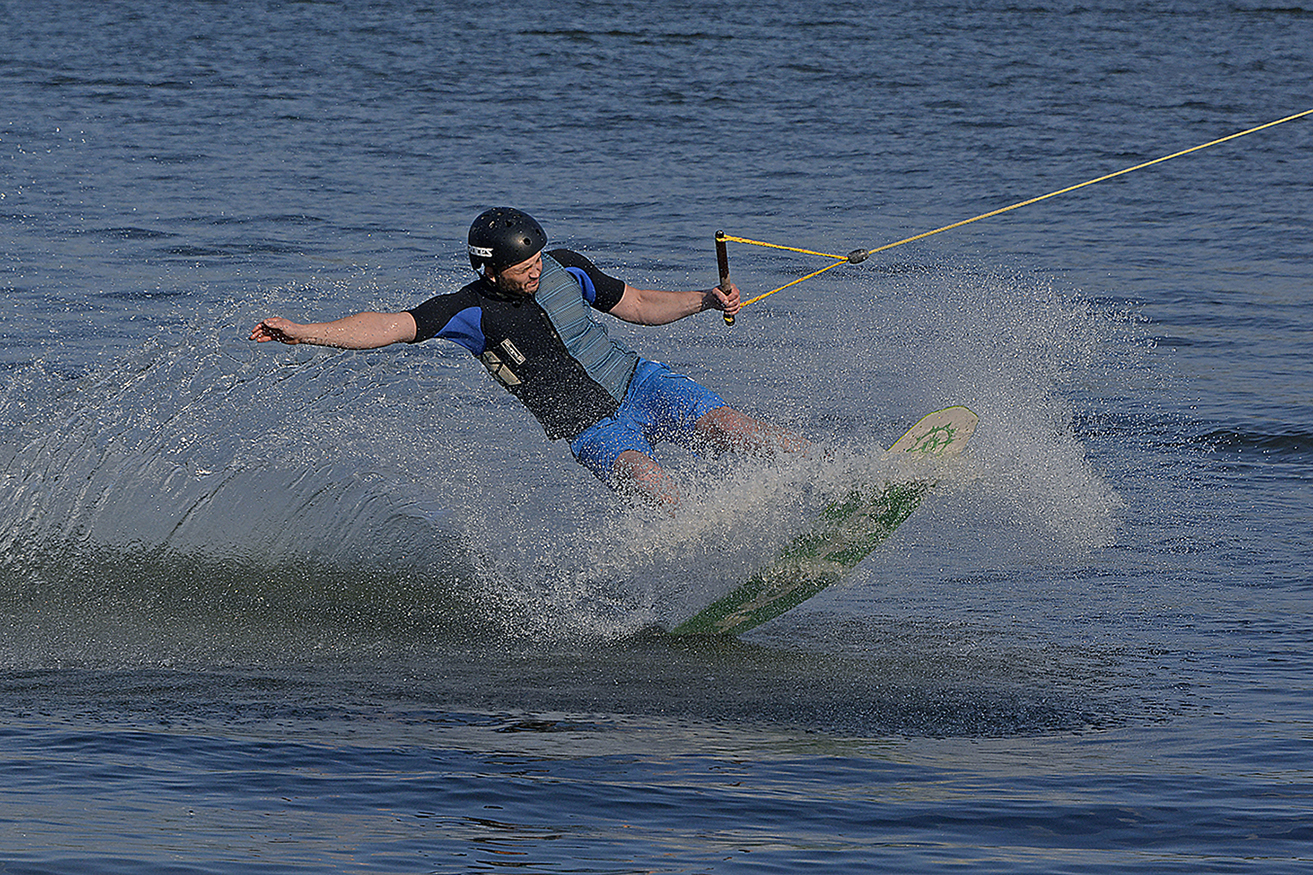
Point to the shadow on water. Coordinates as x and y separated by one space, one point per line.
889 689
352 667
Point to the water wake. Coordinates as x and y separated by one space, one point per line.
398 488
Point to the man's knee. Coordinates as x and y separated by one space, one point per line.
727 429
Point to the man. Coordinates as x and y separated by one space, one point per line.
527 319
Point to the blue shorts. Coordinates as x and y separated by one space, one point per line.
659 405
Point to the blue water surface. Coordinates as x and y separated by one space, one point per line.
280 609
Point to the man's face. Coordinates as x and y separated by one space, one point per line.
522 278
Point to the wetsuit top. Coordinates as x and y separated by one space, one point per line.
545 348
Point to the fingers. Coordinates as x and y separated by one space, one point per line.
272 329
729 299
262 333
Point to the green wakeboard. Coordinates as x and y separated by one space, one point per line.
845 534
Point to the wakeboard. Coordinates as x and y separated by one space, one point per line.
845 533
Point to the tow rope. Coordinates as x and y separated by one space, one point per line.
859 255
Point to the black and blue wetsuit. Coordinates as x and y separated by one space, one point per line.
546 349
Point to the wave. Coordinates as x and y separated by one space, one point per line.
1287 445
209 482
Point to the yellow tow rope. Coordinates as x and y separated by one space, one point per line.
860 255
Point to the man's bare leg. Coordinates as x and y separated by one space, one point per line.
727 429
638 474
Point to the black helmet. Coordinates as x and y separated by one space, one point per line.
503 236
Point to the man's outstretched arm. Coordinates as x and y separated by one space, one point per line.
358 331
655 307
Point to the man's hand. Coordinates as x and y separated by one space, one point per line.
727 300
279 329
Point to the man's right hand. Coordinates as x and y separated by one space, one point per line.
279 329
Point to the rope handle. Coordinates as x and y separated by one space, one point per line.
722 263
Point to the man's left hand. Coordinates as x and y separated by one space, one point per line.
727 300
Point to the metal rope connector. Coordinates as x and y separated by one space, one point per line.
857 256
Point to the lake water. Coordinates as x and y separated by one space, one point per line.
276 610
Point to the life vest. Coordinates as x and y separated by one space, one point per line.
549 352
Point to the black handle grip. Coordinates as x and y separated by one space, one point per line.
722 262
